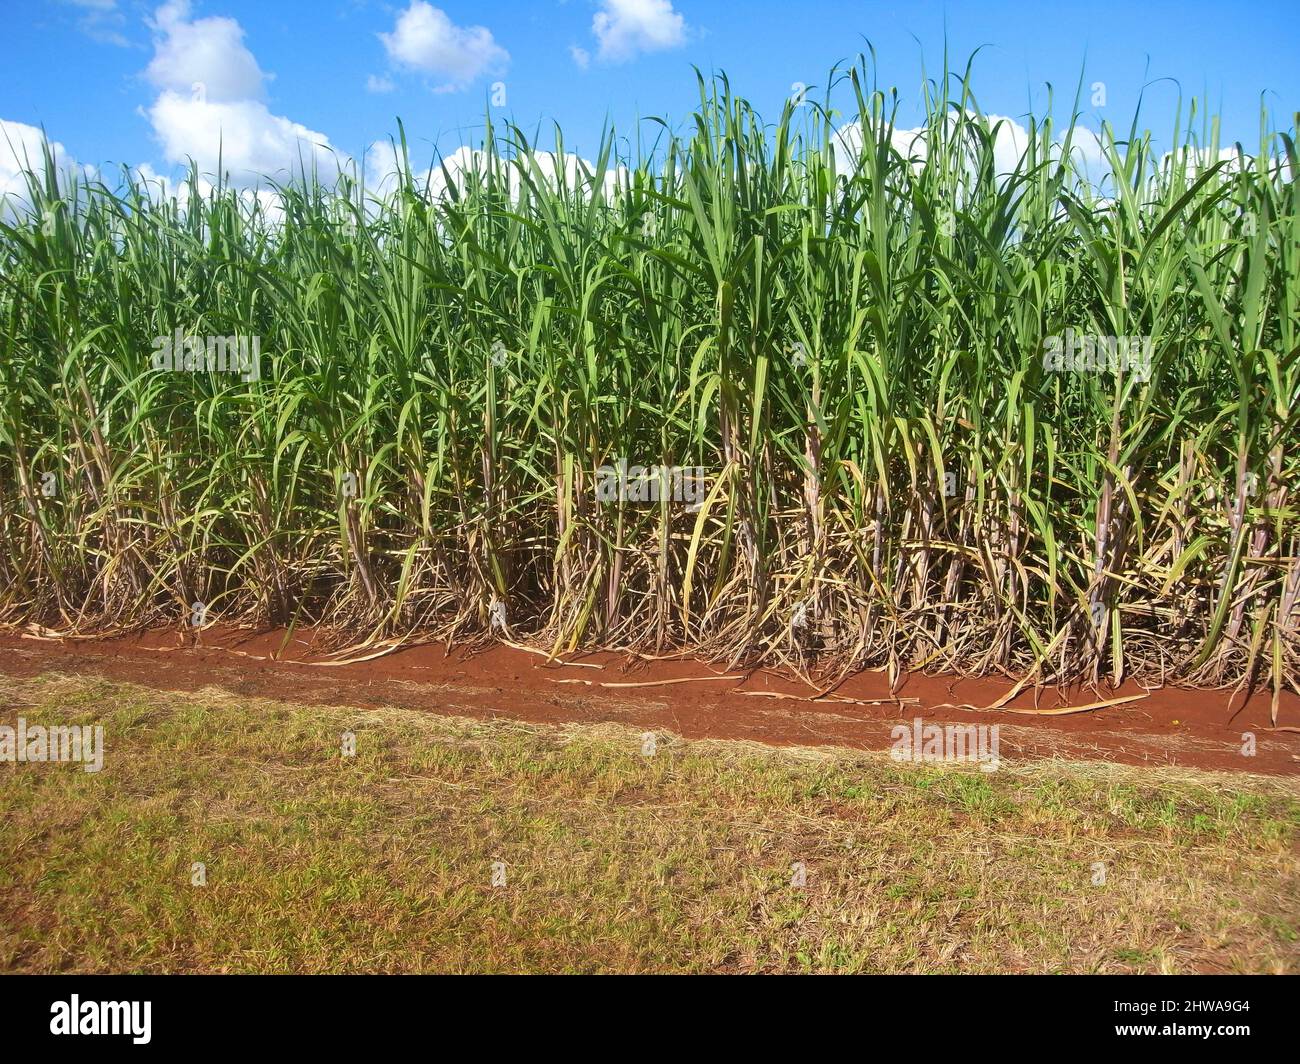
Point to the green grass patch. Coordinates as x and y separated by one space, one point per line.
613 861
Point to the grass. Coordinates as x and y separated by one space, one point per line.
614 861
845 333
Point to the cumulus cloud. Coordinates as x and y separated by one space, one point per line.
211 105
1088 153
1010 142
22 150
205 57
573 172
847 142
383 166
240 137
461 167
625 27
1196 160
424 39
265 206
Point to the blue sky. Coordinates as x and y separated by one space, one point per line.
114 81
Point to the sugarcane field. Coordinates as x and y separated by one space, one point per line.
653 490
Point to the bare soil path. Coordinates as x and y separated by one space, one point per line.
1167 726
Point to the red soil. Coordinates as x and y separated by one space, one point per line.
1170 726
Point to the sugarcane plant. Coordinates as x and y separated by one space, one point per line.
941 404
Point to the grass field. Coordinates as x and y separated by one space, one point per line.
613 859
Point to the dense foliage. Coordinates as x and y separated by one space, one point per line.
843 325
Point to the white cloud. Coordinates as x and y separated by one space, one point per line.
626 27
426 40
459 168
382 166
21 150
205 57
1088 159
575 172
580 56
1194 161
846 146
1010 141
211 108
1088 152
240 136
379 84
160 188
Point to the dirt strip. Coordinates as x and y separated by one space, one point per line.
1168 726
